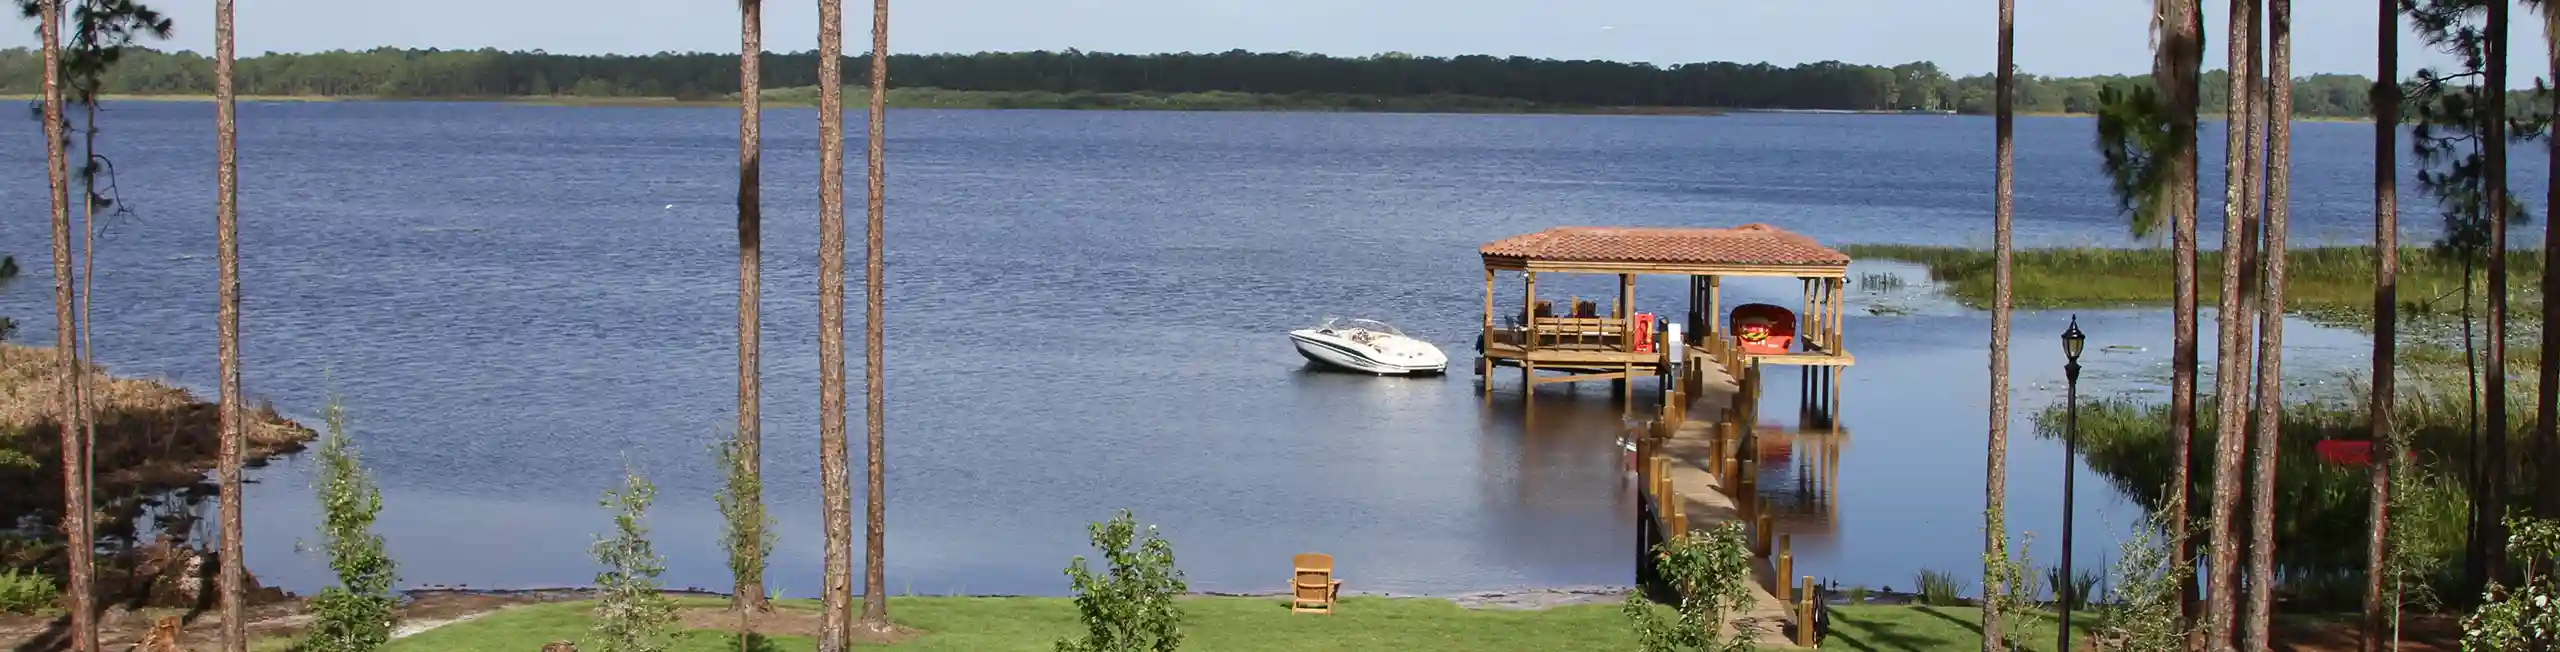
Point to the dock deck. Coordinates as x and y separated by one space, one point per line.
1703 498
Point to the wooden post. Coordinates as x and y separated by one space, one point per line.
1836 373
1727 478
1715 306
1840 321
1644 451
1808 318
1679 518
1529 308
1786 566
1745 480
1765 524
1662 478
1805 635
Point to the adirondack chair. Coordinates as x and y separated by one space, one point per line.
1312 589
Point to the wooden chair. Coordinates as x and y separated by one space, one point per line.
1312 589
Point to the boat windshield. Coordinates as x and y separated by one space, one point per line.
1348 324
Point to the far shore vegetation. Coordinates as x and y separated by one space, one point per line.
1196 81
937 98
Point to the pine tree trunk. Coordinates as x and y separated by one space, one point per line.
2278 107
1995 528
2495 381
77 538
2185 44
2547 396
875 599
2475 557
749 594
88 283
2386 326
832 470
2232 320
227 218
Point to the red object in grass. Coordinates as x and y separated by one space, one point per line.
2345 452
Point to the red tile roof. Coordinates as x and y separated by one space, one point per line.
1750 244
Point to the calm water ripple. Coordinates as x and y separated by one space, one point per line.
1084 313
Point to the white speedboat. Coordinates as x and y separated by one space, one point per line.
1369 346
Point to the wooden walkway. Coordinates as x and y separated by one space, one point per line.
1688 462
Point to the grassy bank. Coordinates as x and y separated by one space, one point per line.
2319 279
936 98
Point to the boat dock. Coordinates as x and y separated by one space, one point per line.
1622 345
1698 463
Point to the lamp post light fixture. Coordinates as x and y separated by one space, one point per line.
2064 587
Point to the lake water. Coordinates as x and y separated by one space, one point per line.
1085 313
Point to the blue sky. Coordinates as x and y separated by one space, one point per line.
2065 37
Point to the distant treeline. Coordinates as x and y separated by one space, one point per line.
398 73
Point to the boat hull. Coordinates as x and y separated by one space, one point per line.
1324 350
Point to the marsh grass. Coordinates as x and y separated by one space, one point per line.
2322 280
152 438
2126 442
1939 588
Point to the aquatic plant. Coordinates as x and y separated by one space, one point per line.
2331 283
2074 590
2126 442
1939 588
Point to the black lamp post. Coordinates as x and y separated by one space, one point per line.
2064 587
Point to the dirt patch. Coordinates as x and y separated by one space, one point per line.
2417 634
780 622
119 627
1540 599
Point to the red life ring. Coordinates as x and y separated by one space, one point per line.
1643 335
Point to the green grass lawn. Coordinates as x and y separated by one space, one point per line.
1035 624
1881 628
1248 624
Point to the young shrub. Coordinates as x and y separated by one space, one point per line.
26 592
356 615
1131 607
744 524
2525 617
2019 616
2148 587
631 614
1712 574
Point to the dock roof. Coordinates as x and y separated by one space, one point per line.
1751 248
